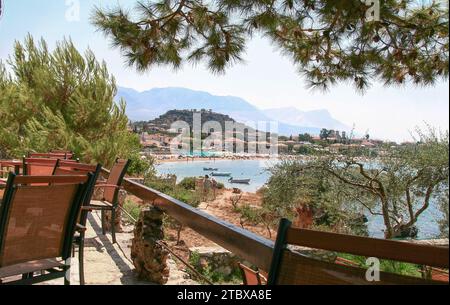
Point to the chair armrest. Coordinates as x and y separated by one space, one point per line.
108 186
81 228
100 181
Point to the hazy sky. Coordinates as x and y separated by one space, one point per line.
266 80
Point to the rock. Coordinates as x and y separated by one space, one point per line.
216 260
148 256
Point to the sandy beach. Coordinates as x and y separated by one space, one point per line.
173 159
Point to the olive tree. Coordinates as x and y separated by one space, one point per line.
398 186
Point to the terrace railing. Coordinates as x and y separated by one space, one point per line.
250 247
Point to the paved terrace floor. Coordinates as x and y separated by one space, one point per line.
110 264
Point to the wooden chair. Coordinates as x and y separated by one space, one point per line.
41 166
439 275
38 166
37 224
291 268
8 166
64 168
263 277
69 154
63 156
252 277
110 200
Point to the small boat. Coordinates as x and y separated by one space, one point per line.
219 174
239 181
210 169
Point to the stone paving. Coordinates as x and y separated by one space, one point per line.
109 264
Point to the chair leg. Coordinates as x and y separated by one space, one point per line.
27 276
103 222
67 273
113 225
81 259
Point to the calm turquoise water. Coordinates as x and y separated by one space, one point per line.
254 170
257 172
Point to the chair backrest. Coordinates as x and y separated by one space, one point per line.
38 166
263 276
9 166
64 156
69 154
115 177
65 168
38 217
289 267
252 277
439 275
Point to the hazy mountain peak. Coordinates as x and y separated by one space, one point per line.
150 104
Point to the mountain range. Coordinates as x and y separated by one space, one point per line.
148 105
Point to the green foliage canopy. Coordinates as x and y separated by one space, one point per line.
61 100
329 41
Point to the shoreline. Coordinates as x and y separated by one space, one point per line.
174 159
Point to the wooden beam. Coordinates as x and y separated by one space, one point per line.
300 270
370 247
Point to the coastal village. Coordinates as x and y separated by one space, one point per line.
157 137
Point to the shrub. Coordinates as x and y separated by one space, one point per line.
132 208
213 275
389 266
167 185
188 183
140 166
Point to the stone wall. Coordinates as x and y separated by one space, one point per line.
149 258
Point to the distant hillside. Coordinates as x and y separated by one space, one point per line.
148 105
173 116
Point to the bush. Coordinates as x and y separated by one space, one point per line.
132 208
188 183
140 166
167 185
389 266
213 275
